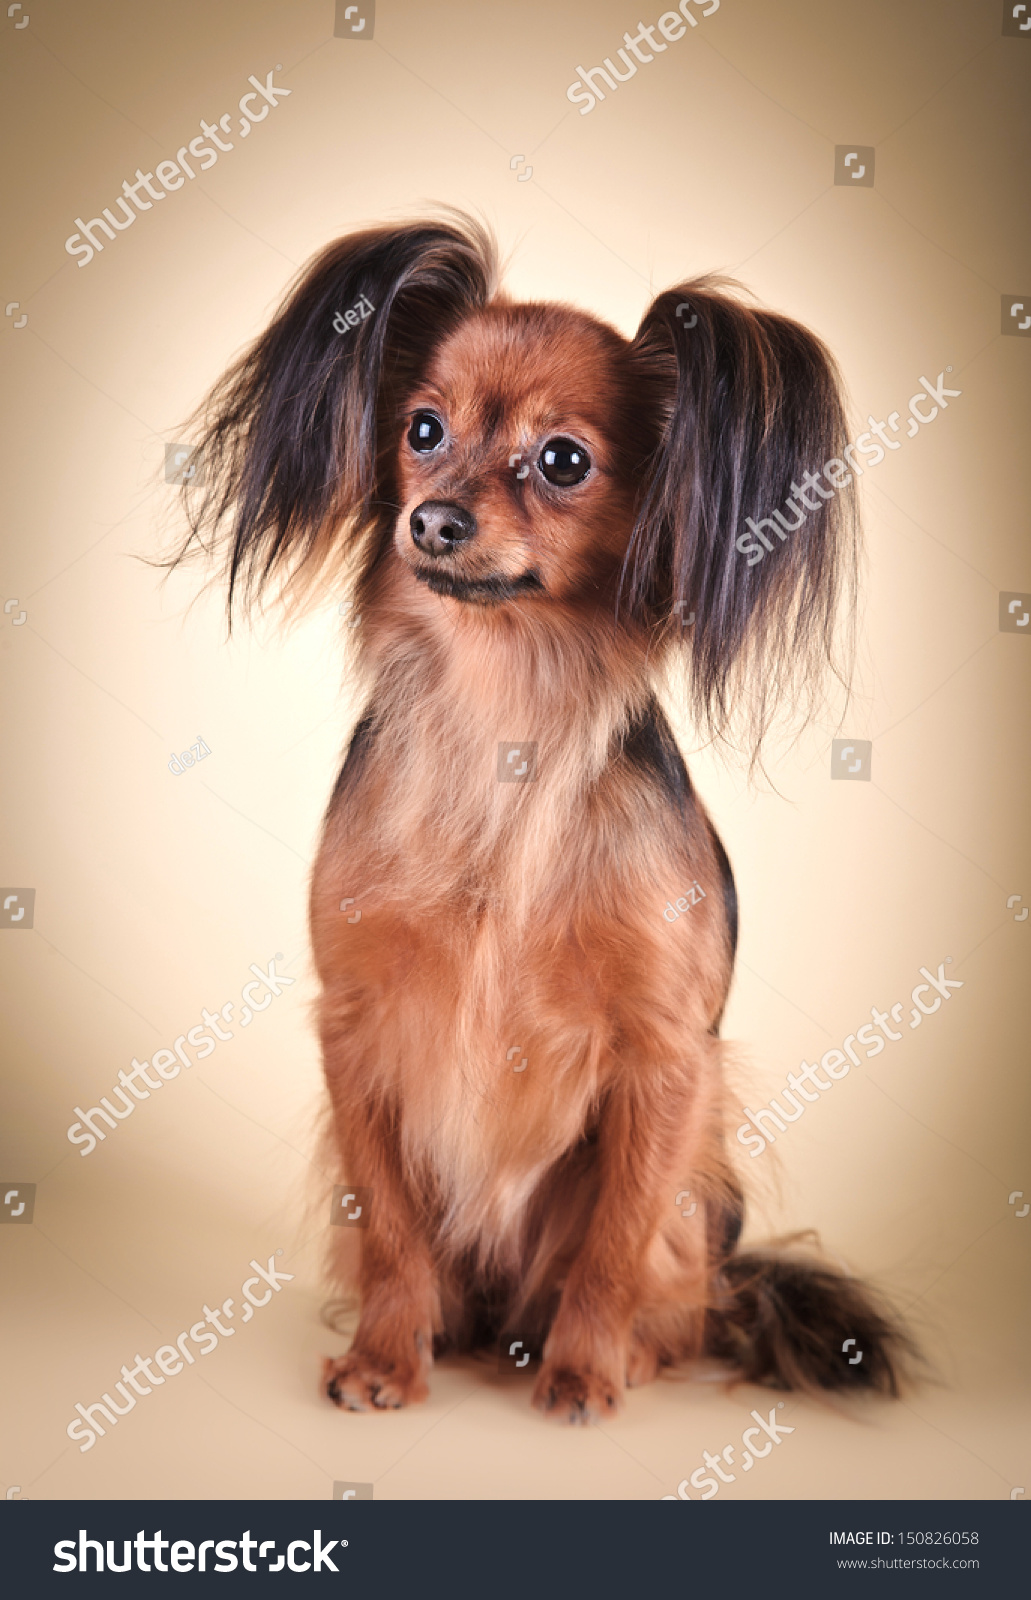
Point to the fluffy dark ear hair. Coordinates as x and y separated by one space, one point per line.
749 401
297 438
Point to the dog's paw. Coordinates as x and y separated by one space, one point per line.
365 1383
575 1397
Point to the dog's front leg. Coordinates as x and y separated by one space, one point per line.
387 1364
641 1147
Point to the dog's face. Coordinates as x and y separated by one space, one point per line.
516 459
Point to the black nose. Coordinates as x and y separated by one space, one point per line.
438 525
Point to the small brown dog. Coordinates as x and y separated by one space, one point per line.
521 1052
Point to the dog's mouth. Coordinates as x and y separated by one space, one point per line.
480 591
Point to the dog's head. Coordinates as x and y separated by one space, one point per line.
528 456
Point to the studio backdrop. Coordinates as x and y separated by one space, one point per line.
169 171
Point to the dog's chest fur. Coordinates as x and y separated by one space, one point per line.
502 958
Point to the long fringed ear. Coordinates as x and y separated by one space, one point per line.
296 439
735 551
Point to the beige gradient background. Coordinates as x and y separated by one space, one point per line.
155 893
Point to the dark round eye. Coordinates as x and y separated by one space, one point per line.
426 432
564 463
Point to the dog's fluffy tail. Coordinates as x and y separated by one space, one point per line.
784 1318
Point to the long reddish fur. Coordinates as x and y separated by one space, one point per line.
535 1204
